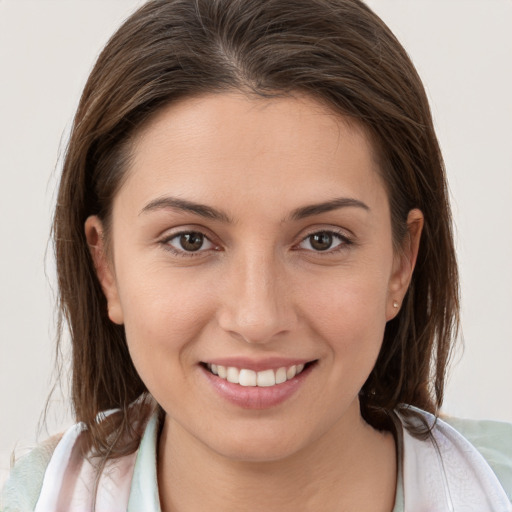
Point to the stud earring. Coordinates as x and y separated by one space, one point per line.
395 304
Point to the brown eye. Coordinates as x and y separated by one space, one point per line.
191 241
321 241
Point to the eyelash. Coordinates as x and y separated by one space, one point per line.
182 252
344 240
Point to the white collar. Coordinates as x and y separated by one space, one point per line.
445 472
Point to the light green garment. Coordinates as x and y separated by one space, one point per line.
21 492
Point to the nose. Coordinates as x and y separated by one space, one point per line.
256 302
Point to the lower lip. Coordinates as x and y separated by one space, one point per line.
254 397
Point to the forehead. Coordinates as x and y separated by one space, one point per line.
231 146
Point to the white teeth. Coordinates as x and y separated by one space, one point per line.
233 375
266 378
281 376
247 378
291 372
250 378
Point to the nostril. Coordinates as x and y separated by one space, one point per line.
256 321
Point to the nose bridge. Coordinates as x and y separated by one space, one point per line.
256 306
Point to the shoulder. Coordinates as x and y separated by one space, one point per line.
493 439
21 491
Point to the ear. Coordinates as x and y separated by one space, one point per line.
404 263
94 234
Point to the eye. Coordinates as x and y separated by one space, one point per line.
323 241
189 242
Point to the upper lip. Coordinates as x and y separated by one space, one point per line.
257 365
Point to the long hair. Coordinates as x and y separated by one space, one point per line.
337 51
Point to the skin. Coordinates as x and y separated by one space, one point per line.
258 288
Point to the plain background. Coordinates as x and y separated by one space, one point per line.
463 51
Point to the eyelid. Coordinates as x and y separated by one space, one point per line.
346 240
339 233
165 239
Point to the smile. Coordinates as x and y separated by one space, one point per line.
251 378
258 385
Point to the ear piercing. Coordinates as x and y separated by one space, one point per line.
395 304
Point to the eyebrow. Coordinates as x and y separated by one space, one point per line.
334 204
174 203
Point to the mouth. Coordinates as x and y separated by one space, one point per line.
263 379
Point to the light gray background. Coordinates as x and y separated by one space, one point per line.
463 51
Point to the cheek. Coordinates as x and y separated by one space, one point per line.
345 316
348 311
163 312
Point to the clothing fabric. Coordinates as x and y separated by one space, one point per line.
444 473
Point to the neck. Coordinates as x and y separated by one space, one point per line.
349 468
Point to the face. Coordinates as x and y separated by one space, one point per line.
252 266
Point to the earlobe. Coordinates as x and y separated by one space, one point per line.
405 261
103 266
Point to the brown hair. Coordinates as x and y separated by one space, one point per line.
337 51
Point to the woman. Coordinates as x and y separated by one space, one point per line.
256 263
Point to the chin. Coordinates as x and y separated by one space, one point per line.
261 444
